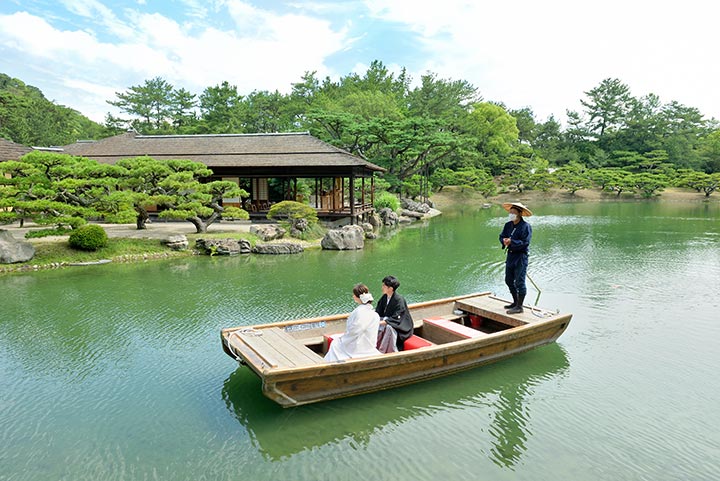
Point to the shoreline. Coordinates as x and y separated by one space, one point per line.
447 198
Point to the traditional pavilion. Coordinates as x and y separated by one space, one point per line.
342 184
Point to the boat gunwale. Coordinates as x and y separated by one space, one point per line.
337 317
448 348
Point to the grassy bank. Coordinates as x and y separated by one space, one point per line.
54 253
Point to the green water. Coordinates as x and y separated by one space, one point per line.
116 371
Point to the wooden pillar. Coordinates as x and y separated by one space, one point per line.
352 198
362 193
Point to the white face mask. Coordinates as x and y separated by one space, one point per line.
512 217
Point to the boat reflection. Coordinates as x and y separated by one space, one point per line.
278 432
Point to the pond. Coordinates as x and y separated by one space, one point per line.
117 372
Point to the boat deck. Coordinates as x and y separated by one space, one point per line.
275 348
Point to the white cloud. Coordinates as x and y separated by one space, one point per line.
271 56
546 54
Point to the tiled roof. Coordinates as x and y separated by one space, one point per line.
11 150
225 150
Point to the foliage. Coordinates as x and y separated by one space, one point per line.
472 178
291 210
517 173
572 177
36 234
28 118
386 200
235 213
90 237
701 182
52 188
175 186
442 177
648 184
433 132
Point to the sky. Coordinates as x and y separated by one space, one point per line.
541 54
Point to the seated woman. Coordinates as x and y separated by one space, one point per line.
361 333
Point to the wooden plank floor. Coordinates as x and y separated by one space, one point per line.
279 348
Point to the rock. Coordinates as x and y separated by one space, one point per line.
276 248
388 217
245 247
13 250
347 237
411 205
371 235
176 242
300 224
367 227
267 232
375 220
220 247
411 213
406 220
298 227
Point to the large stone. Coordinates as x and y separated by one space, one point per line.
220 247
411 205
388 217
267 232
277 248
13 250
176 242
375 220
348 237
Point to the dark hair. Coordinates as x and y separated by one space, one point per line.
391 281
360 289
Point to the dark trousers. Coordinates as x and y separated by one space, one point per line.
515 271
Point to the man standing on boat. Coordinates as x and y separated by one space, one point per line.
515 237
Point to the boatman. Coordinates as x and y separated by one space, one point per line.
515 238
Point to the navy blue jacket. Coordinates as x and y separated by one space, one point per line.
520 235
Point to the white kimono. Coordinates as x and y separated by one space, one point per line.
360 337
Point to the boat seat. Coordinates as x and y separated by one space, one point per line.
416 342
461 330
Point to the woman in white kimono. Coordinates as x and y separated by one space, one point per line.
360 337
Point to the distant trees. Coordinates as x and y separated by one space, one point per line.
427 134
28 118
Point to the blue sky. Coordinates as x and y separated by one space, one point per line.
525 53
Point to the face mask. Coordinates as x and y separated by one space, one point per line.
512 217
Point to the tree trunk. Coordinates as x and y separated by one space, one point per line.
200 226
141 219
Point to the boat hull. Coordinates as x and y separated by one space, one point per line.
304 384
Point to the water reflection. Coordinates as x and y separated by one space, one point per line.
503 389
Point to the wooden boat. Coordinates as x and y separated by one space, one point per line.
450 335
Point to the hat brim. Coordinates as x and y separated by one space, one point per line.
524 211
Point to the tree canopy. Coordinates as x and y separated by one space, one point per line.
425 128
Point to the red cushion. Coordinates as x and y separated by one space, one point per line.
455 327
329 338
414 342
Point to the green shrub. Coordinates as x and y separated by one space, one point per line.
36 234
235 213
386 199
90 237
290 210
